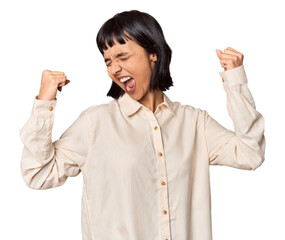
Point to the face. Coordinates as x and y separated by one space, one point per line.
130 60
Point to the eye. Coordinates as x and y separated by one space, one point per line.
122 59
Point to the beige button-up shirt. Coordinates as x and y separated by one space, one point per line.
146 175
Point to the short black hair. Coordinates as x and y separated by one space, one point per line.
145 31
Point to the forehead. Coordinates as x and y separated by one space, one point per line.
130 46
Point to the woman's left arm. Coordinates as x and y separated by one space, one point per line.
243 148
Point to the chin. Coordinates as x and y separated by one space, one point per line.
136 96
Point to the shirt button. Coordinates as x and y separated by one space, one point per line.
160 154
223 80
164 212
50 108
155 128
163 183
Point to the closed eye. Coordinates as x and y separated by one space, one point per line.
122 59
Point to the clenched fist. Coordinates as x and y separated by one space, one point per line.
51 82
230 58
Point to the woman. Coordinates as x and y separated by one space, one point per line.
144 158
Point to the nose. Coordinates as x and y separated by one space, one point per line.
115 68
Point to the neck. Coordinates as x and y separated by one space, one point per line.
152 99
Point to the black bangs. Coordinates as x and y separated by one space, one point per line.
112 29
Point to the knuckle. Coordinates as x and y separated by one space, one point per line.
45 72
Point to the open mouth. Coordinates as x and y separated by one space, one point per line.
129 85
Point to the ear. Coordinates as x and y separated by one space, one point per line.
153 57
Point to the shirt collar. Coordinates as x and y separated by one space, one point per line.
129 106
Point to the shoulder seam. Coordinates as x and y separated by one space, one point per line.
204 123
89 145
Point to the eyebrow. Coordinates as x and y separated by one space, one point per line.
118 55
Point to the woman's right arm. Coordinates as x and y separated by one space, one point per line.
46 164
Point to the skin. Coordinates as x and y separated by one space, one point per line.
230 59
136 63
52 81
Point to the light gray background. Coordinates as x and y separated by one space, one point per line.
61 36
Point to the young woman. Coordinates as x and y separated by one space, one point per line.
144 158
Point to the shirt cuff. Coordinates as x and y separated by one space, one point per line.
234 76
43 108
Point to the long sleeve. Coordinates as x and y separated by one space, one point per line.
243 148
46 164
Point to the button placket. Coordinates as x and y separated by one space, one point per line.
162 178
